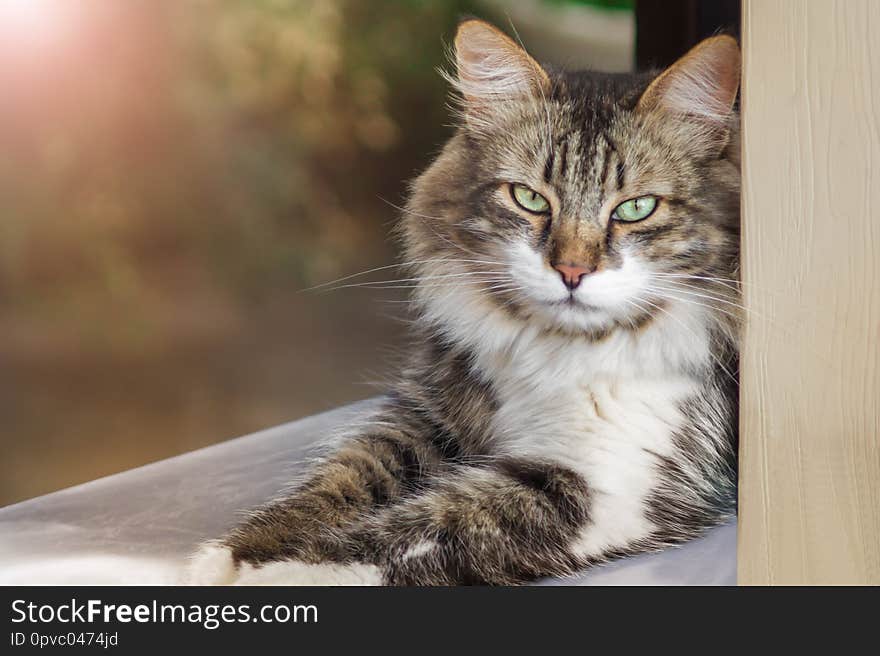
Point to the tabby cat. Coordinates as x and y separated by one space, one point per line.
571 396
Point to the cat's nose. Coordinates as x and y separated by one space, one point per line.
572 273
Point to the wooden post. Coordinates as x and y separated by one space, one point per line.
810 375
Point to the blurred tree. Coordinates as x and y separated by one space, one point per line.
316 111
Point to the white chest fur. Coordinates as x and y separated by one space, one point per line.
611 431
606 410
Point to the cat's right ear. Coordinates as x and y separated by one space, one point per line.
491 70
698 91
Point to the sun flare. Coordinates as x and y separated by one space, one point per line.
33 22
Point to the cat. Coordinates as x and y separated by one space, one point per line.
571 395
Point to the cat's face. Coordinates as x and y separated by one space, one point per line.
582 202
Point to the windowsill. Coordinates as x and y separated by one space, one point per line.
142 524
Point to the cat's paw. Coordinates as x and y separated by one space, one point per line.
211 564
293 572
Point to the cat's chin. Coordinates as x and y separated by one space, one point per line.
571 316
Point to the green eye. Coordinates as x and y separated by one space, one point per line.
635 209
530 201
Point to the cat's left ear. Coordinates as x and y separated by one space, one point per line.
699 90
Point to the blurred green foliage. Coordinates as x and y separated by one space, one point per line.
604 4
324 108
229 146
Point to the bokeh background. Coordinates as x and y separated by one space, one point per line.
173 173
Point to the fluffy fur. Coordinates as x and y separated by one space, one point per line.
536 428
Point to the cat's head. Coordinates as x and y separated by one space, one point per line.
580 202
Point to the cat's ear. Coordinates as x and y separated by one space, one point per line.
491 68
699 89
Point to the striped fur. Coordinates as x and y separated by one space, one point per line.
536 429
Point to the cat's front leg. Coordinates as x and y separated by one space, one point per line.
307 527
502 525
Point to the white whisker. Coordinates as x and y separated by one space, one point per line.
695 336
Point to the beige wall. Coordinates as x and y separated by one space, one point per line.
810 451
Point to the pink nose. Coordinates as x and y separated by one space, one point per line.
572 273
